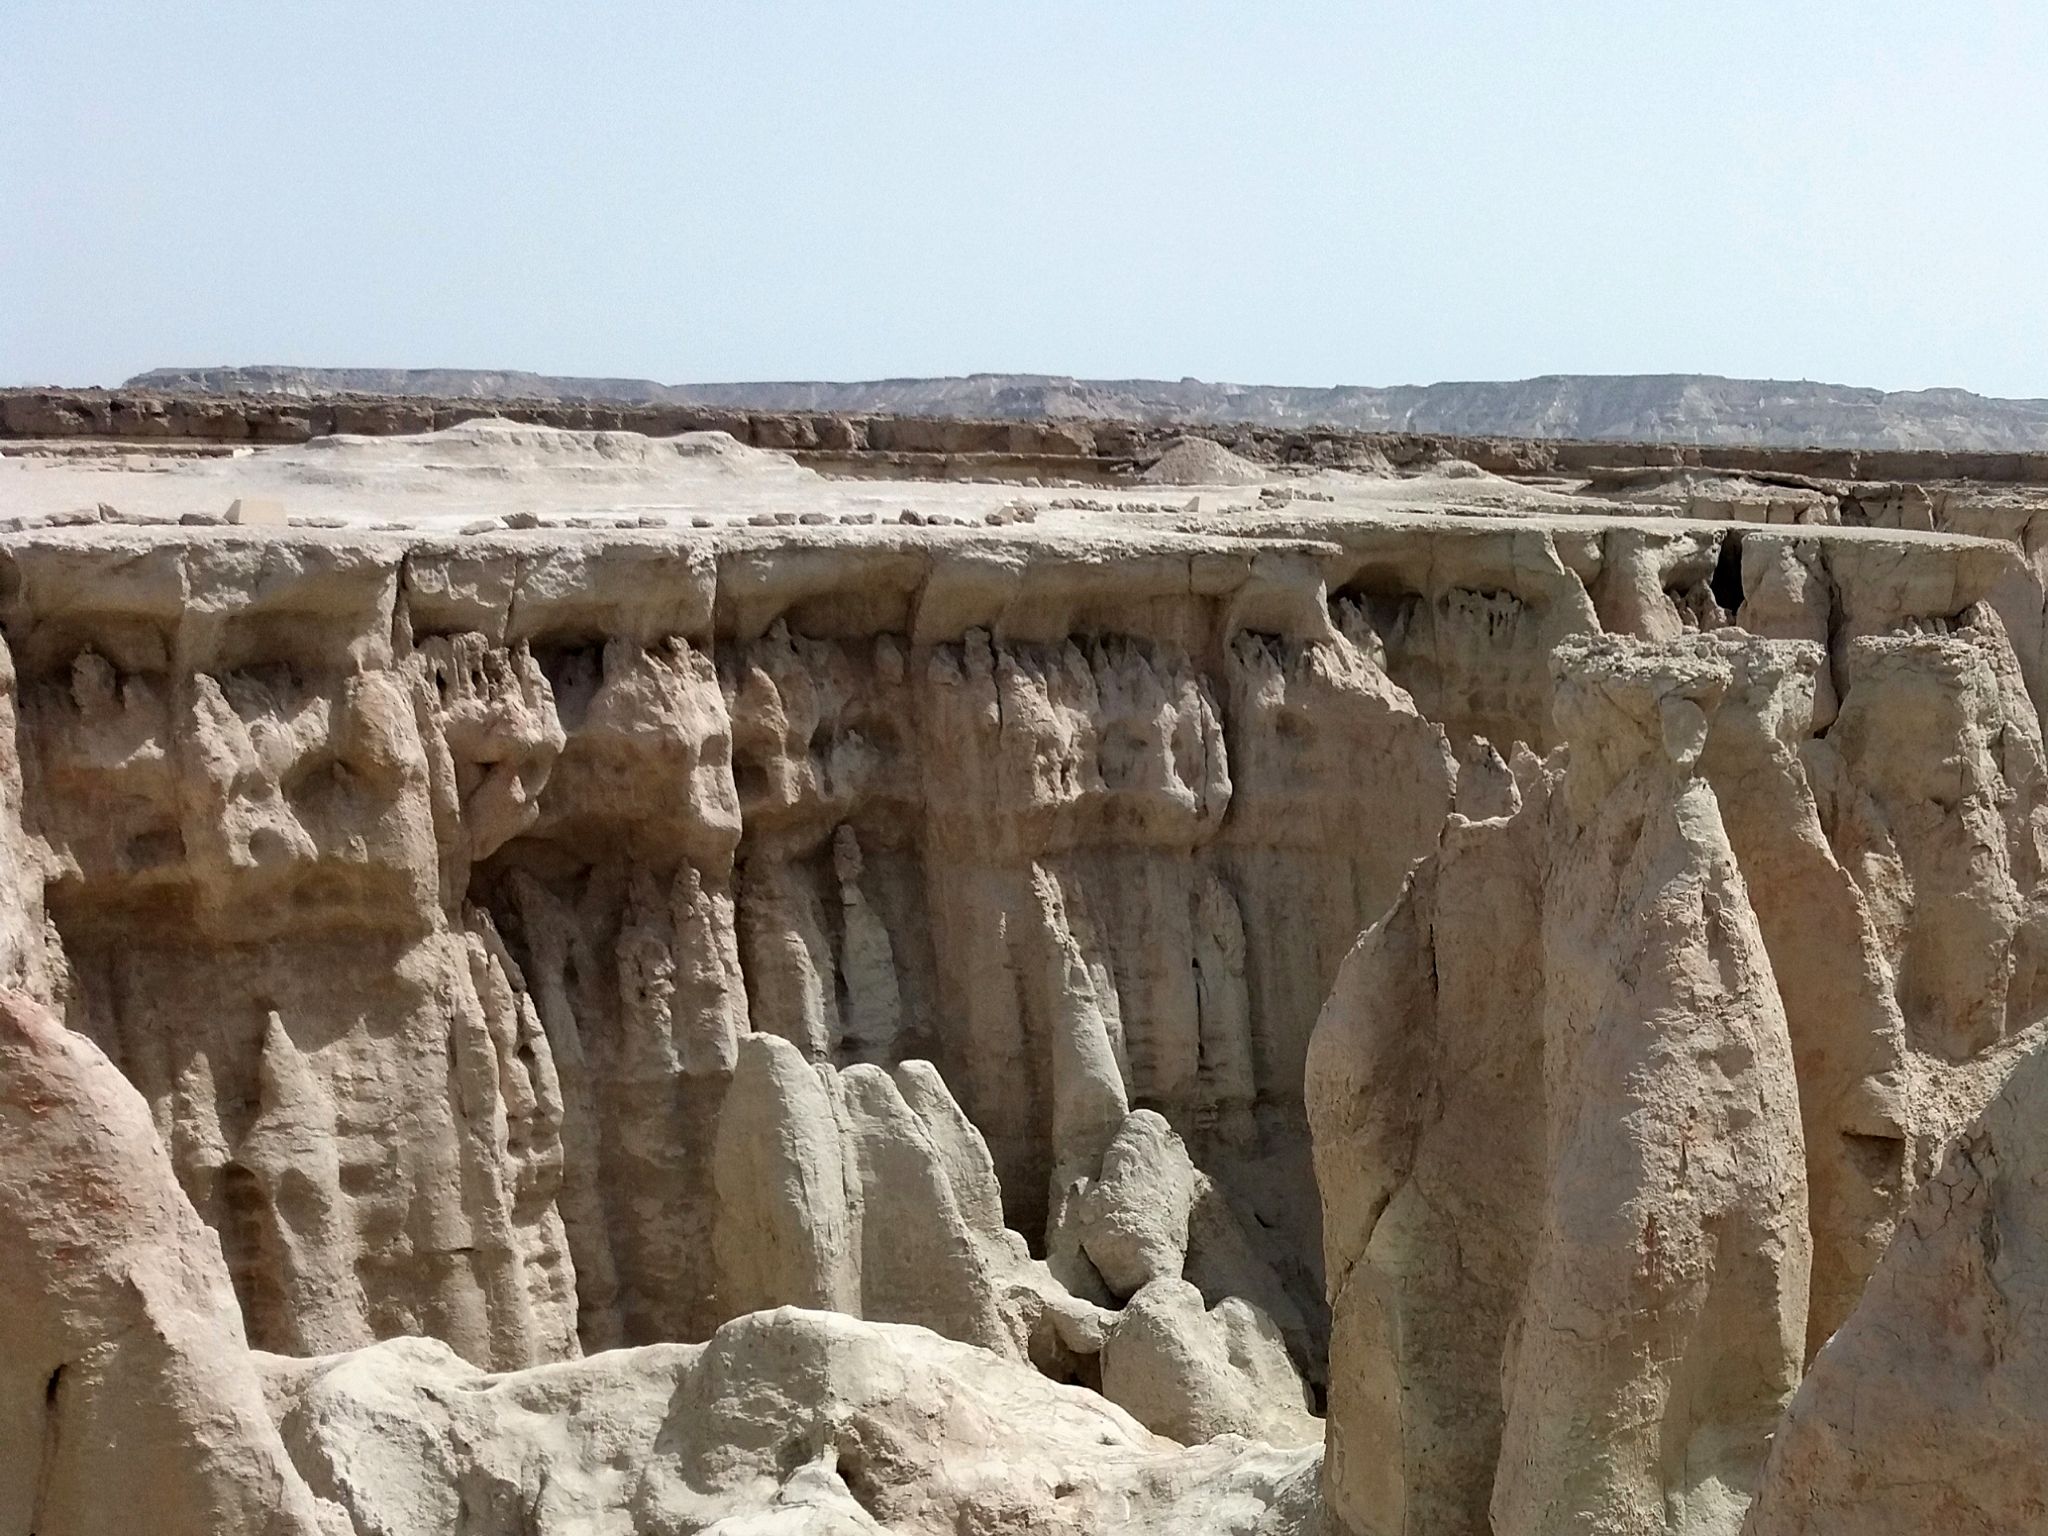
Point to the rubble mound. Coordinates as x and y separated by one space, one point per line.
496 448
1198 461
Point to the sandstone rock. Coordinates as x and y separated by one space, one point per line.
323 800
1478 1232
257 512
1134 1215
127 1391
548 943
1928 1409
1426 1095
129 1372
1672 1267
961 1153
920 1260
292 1154
1230 1256
783 1421
784 1230
837 1189
1832 976
1193 1373
1947 840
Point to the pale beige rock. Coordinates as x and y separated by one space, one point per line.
222 772
292 1154
433 891
257 511
1663 1325
783 1422
128 1371
1426 1096
1928 1410
1655 586
920 1260
873 1015
962 1154
127 1393
494 718
1943 823
1787 596
1855 1098
1230 1255
834 1190
1193 1373
785 1234
837 1189
1133 1217
1327 745
1506 1133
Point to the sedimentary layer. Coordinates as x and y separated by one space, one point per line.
1016 436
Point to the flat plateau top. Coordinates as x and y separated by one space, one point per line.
493 479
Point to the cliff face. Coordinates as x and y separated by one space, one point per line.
512 846
552 944
1617 1109
1674 407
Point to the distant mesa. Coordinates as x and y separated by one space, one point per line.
1661 407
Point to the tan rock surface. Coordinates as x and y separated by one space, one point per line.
1426 1095
552 940
126 1387
1928 1410
783 1422
1192 1372
1663 1325
127 1391
1753 928
1134 1214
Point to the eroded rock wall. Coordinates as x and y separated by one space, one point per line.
1586 1221
429 889
126 1385
1926 1410
128 1390
549 945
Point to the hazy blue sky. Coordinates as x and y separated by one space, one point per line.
1284 192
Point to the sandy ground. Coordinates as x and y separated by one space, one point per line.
485 469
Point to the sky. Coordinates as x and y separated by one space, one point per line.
1287 192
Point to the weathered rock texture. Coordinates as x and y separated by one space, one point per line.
1690 408
550 945
127 1391
1929 1409
807 1423
1427 1098
1559 1138
1619 1105
1663 1320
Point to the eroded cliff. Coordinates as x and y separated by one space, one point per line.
553 944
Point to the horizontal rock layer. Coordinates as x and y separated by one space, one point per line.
231 409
